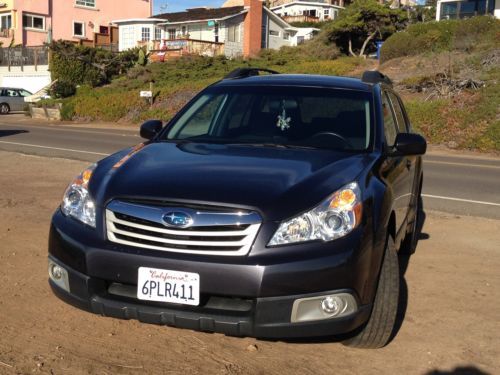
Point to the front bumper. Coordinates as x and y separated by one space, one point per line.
260 317
243 297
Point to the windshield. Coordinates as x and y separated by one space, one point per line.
278 116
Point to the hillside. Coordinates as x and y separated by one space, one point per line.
449 80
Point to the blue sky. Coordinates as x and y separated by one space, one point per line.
180 5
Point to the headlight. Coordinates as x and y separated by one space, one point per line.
77 202
333 218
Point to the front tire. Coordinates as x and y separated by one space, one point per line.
4 108
377 332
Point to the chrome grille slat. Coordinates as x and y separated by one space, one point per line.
141 226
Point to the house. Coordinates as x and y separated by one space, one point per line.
308 11
35 22
241 30
451 9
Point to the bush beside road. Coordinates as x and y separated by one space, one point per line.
449 310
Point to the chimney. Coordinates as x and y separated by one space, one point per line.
252 34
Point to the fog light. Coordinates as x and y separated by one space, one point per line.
58 275
323 307
56 272
332 305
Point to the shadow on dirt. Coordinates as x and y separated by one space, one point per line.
465 370
7 133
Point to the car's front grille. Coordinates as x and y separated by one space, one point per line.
210 232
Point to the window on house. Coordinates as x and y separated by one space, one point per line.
171 34
233 33
86 3
310 12
145 34
78 29
33 22
5 21
127 37
104 30
216 33
157 33
326 13
274 33
184 30
286 36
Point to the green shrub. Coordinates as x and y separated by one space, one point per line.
67 111
466 35
62 89
86 65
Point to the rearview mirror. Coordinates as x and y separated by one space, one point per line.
151 128
410 144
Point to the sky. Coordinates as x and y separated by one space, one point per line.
180 5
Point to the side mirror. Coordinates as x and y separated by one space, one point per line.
410 144
151 128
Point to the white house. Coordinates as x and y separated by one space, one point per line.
451 9
234 31
312 11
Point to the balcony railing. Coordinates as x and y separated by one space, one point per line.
24 56
302 18
6 33
184 47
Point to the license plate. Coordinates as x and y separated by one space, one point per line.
168 286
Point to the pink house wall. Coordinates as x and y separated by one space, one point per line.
60 15
65 12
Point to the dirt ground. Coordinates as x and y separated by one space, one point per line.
450 321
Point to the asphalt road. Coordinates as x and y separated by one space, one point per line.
465 185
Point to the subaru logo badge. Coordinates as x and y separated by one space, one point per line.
177 219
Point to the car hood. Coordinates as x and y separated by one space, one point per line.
277 182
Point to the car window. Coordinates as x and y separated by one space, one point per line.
24 93
292 116
198 119
389 121
402 128
11 93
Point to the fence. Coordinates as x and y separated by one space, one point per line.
184 47
107 41
24 56
291 19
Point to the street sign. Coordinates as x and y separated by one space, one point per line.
146 94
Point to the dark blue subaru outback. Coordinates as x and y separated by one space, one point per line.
270 206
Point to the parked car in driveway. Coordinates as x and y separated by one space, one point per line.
269 206
12 99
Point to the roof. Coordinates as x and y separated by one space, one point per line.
137 20
303 80
306 3
201 14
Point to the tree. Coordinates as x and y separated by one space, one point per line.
362 21
87 65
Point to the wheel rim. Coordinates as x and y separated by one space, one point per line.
4 109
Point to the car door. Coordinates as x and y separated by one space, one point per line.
12 98
17 100
404 127
396 171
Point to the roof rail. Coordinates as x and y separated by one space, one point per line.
374 77
248 72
